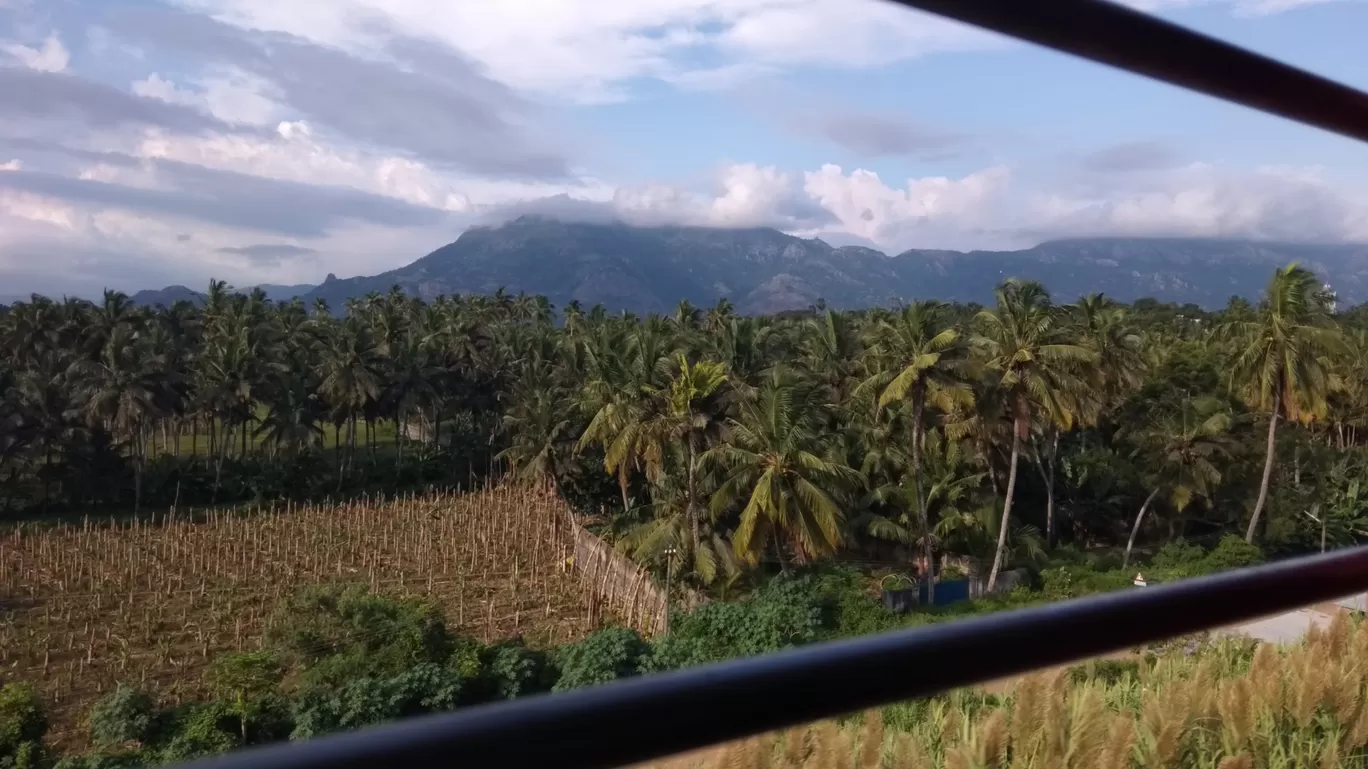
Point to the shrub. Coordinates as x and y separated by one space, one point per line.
1180 557
247 682
1232 553
784 613
132 759
198 730
22 726
513 670
1109 672
1108 561
122 716
342 634
605 656
423 688
1066 555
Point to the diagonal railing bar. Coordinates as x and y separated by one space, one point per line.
659 715
1112 34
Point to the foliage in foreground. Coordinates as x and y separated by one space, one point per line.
1229 705
347 658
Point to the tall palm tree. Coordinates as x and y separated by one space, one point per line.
1184 449
1104 326
918 356
538 427
1284 360
775 465
125 389
694 404
1025 340
293 416
349 374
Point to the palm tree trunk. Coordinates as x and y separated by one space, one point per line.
986 449
138 460
351 444
1017 425
194 437
1268 470
622 486
218 465
1046 464
1140 516
927 555
47 473
693 497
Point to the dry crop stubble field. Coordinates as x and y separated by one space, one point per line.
85 606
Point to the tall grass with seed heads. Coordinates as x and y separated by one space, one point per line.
1301 706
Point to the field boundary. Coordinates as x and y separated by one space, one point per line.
614 583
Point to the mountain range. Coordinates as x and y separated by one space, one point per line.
172 294
760 270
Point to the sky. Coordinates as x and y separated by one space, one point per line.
145 143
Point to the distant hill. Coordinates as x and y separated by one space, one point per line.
284 293
168 296
165 297
763 271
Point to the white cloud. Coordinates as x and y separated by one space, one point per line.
51 56
12 165
1201 200
931 212
590 51
228 94
298 156
995 207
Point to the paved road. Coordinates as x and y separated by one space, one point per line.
1288 627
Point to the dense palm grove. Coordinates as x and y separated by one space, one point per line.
725 445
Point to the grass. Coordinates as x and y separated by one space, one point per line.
1230 705
151 603
194 439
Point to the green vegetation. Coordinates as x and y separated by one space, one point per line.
973 438
343 658
1065 446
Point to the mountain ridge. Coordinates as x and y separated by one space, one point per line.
761 270
165 297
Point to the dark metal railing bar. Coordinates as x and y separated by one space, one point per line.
660 715
1118 36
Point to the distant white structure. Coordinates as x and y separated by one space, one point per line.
1354 602
1331 292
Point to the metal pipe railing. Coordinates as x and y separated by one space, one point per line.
1136 42
659 715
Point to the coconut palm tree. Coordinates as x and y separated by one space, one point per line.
775 469
125 389
694 403
1283 363
1184 449
1025 341
538 428
918 357
667 537
349 374
294 414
